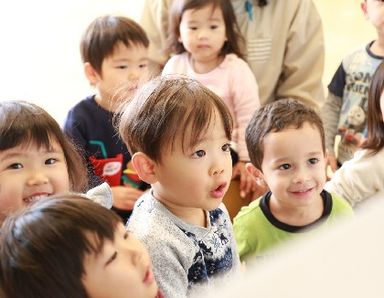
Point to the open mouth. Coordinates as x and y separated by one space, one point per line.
219 191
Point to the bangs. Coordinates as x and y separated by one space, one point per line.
18 133
191 120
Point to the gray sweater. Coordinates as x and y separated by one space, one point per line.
185 258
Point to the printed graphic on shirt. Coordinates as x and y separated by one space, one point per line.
110 169
352 81
215 254
353 120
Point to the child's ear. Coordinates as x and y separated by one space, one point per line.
255 173
91 74
144 167
363 6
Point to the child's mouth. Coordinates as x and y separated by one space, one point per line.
219 191
34 198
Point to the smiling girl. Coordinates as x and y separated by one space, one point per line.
36 159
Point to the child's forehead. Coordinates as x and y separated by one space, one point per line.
292 132
130 48
188 138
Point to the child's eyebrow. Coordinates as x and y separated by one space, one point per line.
12 155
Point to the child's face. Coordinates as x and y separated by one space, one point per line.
28 173
122 269
202 32
294 165
374 11
198 178
127 67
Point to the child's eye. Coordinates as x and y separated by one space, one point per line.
122 67
214 27
199 153
50 161
226 147
193 28
143 65
285 166
111 259
313 161
15 166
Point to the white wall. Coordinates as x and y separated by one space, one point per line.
39 50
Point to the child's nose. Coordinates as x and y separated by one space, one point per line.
134 75
137 257
216 169
301 176
202 33
37 178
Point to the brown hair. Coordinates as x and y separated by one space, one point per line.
104 33
375 124
277 116
163 109
42 249
235 41
24 123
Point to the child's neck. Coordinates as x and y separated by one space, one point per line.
205 66
192 216
377 47
104 103
295 216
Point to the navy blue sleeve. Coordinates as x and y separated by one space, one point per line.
337 84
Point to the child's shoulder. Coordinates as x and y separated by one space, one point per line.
249 212
340 205
357 54
176 64
234 61
85 105
150 219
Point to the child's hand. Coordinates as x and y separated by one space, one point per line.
125 197
247 181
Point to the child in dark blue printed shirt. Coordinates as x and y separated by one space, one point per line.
114 55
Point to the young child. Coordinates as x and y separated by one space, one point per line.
286 144
284 45
114 55
36 158
207 41
84 251
179 132
363 176
344 112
